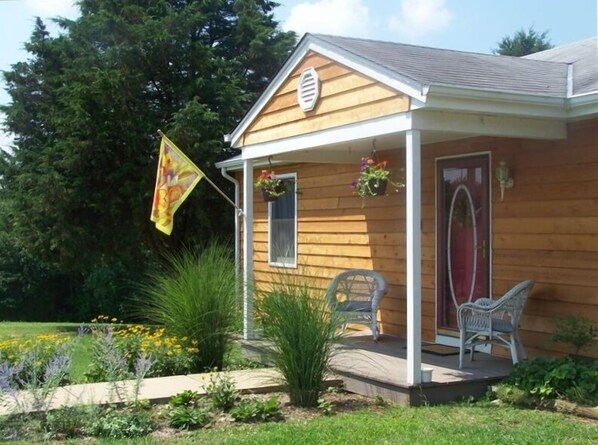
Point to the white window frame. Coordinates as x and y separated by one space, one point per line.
293 263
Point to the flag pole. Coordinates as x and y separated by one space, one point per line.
231 202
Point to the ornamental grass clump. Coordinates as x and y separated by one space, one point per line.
195 296
303 333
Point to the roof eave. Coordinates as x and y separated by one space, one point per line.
479 100
583 105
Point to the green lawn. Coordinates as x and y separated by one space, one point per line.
29 329
82 348
442 425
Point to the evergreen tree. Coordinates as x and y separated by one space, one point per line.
85 108
523 43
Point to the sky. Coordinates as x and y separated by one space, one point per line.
466 25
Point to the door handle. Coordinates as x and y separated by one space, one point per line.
482 248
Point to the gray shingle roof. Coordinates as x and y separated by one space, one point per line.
584 57
432 66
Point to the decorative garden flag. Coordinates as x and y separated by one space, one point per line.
176 178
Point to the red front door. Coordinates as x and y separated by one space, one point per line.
463 220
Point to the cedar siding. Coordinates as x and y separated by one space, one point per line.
346 97
546 229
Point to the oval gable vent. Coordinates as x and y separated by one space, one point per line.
308 90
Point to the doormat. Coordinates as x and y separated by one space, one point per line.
442 350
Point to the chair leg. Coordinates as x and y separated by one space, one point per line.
513 344
461 347
374 327
520 345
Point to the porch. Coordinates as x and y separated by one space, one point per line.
380 369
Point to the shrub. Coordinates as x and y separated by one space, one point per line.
196 297
222 391
303 333
34 353
564 377
188 417
576 331
120 423
39 377
256 410
170 354
69 422
187 398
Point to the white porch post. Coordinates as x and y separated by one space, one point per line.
248 249
413 190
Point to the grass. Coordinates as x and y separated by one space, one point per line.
441 425
81 351
31 329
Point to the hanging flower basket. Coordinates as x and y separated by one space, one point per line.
373 179
271 197
378 186
271 186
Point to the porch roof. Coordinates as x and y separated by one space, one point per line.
549 88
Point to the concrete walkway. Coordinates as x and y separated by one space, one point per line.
156 390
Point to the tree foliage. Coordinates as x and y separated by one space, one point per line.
523 43
85 108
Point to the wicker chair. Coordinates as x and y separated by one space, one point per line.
493 321
356 295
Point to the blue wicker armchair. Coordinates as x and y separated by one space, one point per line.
355 294
493 321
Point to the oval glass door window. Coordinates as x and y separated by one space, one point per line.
462 245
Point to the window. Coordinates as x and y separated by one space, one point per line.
282 226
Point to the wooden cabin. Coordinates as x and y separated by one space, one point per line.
449 123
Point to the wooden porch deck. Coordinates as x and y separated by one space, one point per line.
380 369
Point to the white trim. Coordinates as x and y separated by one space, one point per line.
248 332
569 79
394 123
478 100
413 272
296 56
424 120
488 125
377 72
311 43
292 265
583 105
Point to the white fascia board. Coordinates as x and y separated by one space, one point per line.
361 130
236 164
377 72
296 57
494 102
583 105
489 125
311 43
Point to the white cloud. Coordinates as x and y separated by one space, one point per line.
53 8
419 17
337 17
